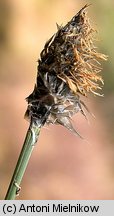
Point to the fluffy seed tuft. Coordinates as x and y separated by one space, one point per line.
68 67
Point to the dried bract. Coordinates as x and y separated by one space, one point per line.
68 67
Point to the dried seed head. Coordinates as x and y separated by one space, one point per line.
68 67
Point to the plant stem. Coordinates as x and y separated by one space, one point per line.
28 146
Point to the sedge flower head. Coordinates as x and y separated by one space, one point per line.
68 68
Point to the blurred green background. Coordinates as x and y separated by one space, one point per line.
62 166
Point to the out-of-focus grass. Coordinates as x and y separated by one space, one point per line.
105 19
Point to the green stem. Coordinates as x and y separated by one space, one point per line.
29 143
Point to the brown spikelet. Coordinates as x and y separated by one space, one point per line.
68 67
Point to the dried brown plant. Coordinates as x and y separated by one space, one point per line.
68 68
